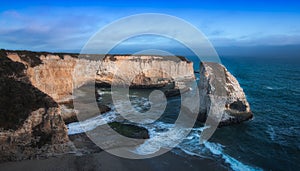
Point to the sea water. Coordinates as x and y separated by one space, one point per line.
268 142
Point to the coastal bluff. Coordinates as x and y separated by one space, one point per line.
59 74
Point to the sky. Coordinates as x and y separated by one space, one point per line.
66 26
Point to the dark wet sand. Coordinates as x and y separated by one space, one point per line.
105 161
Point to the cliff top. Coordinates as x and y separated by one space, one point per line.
115 57
33 58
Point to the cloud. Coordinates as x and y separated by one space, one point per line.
64 29
55 31
251 40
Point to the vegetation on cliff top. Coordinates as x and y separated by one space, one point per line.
33 57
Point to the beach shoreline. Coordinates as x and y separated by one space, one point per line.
105 161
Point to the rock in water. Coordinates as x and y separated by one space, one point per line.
221 97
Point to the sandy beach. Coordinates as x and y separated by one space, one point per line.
107 162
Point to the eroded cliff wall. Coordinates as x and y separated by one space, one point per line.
57 75
145 70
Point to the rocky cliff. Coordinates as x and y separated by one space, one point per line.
57 74
221 96
30 120
33 83
145 71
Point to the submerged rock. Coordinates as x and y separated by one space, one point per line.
221 96
131 131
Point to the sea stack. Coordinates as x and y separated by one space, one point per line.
221 97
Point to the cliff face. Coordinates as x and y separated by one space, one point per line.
56 76
145 71
221 96
30 120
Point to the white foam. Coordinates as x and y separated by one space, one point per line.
274 88
270 88
217 149
90 124
271 132
192 153
165 140
101 92
191 144
160 139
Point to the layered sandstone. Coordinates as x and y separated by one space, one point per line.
145 71
57 75
221 96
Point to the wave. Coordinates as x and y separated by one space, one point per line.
158 138
274 88
271 132
91 123
190 146
217 149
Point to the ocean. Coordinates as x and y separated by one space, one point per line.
270 141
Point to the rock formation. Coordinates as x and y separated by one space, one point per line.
30 120
56 74
221 96
145 71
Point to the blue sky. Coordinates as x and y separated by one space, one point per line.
67 25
